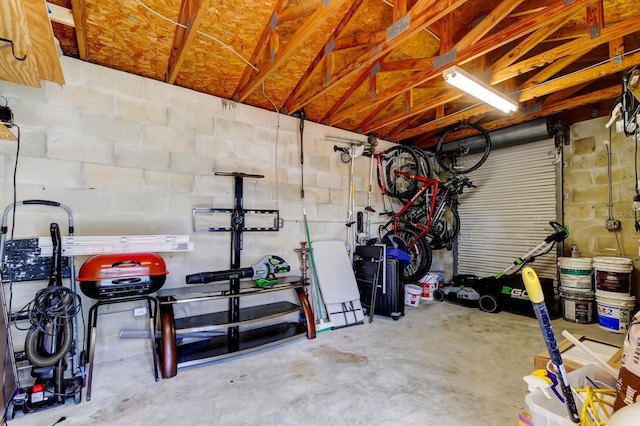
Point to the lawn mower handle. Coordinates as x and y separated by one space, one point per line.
561 233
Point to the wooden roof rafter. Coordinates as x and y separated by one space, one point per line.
261 44
482 47
80 19
585 42
324 52
487 24
547 108
292 45
191 14
422 14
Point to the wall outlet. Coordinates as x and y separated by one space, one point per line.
140 311
613 224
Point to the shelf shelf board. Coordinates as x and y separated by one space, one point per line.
202 292
215 349
217 320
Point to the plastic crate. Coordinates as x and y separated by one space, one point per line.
552 412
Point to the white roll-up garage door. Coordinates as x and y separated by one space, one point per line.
508 214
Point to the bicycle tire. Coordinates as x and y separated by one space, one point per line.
419 254
446 229
34 339
424 161
465 155
401 158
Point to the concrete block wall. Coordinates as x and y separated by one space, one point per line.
586 193
131 156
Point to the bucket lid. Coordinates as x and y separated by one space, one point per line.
575 262
614 296
610 260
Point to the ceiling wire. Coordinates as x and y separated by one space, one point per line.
223 44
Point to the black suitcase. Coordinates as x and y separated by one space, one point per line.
371 265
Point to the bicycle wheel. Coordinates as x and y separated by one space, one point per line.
463 155
403 159
445 230
418 251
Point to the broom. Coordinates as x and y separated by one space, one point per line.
321 325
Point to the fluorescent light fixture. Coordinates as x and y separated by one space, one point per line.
478 89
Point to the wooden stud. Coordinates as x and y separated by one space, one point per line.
293 44
399 9
80 19
191 14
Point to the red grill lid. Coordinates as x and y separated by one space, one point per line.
123 265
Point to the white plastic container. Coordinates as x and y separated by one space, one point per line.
552 412
613 275
614 313
576 273
412 294
429 284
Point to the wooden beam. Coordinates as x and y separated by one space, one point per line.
585 76
43 46
359 41
6 134
346 95
548 108
563 94
421 15
551 70
292 46
446 121
488 44
373 114
399 9
439 100
261 44
60 15
585 42
191 14
527 44
337 32
80 19
301 10
487 24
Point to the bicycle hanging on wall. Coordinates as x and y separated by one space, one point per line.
428 218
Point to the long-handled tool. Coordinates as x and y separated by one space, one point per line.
321 325
534 290
302 118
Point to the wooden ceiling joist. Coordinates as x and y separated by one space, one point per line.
583 43
441 99
422 14
320 56
585 76
445 121
61 15
80 19
261 44
487 23
191 14
293 44
527 44
484 46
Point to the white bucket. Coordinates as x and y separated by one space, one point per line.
576 272
429 284
613 276
614 314
578 306
412 294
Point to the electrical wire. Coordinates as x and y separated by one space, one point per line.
277 136
178 24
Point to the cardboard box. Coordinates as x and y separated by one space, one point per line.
574 357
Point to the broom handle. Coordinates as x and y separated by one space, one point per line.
319 302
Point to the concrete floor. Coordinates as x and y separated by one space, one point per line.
442 364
